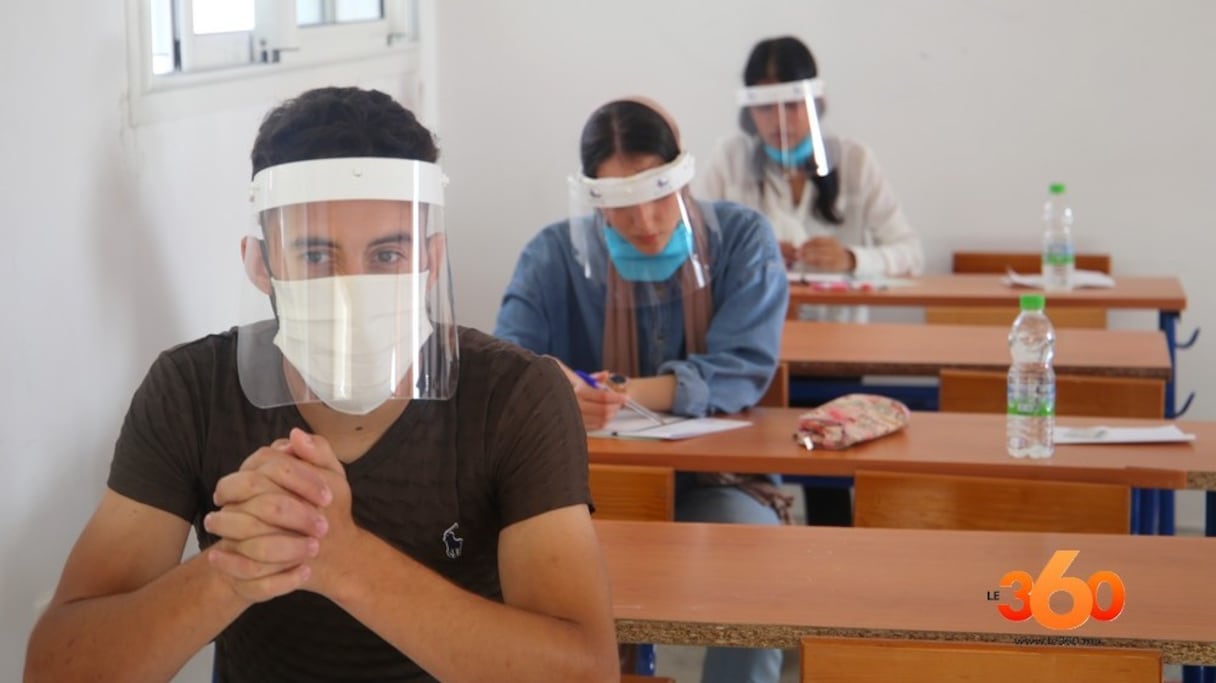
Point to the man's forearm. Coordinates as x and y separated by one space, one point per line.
145 635
458 636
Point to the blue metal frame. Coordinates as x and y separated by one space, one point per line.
1157 508
1167 322
807 392
645 665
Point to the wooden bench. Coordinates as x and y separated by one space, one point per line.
899 500
983 391
633 492
837 660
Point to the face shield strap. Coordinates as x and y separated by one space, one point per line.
698 268
647 186
820 156
324 180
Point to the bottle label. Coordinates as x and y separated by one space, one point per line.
1031 404
1060 254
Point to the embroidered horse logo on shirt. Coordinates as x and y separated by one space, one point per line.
452 543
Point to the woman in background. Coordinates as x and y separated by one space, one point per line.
831 208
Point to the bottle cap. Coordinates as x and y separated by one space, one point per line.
1033 302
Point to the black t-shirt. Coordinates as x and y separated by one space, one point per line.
439 485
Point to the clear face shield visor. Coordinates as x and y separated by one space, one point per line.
347 299
643 231
786 119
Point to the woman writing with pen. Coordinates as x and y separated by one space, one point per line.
659 299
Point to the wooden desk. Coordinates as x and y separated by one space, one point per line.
947 443
1149 293
750 586
844 349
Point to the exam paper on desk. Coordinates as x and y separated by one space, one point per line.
629 425
1081 279
1101 434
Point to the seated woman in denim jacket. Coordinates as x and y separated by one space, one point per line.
679 302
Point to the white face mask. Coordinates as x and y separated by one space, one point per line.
353 338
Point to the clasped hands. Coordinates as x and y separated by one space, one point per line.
821 254
284 520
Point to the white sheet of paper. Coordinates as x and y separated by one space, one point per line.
1100 434
844 281
1081 279
796 276
629 425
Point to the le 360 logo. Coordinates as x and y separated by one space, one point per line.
1033 596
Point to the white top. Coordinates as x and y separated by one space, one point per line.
874 227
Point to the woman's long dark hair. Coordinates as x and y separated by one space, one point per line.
625 127
782 60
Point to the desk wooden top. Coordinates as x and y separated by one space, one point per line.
946 443
1153 293
848 349
752 586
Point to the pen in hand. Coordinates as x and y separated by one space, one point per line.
629 402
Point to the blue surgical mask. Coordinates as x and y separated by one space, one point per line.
795 156
635 266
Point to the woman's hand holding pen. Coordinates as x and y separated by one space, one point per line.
597 405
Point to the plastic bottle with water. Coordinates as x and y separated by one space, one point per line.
1031 387
1059 258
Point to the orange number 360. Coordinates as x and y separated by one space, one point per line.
1034 595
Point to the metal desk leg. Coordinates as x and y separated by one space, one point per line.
1135 521
1148 512
1167 322
646 660
1165 512
1209 527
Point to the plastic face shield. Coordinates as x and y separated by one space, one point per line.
786 119
347 299
644 229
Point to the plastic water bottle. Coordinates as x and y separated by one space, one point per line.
1059 257
1031 387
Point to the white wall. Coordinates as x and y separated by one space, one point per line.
971 107
119 242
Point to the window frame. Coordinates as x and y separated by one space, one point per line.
328 53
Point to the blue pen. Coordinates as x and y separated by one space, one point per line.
629 402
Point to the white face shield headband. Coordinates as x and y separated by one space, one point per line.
647 186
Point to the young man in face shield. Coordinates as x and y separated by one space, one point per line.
379 494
